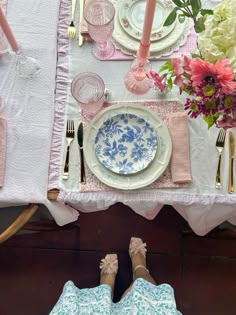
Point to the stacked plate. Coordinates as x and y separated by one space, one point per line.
127 146
129 21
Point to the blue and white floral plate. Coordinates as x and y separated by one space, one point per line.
129 181
126 143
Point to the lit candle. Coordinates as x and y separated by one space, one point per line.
147 28
8 32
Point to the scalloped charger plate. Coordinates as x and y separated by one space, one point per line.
130 181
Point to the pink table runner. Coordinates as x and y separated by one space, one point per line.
163 108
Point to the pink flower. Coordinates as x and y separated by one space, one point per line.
226 122
157 80
203 70
179 67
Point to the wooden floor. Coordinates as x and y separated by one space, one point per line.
202 270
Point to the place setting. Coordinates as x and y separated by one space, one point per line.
125 145
124 25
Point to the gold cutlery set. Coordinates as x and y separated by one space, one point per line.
71 31
70 135
220 144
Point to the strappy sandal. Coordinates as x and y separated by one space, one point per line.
136 245
109 264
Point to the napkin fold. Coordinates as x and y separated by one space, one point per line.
180 159
3 136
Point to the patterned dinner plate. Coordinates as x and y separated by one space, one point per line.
129 181
159 48
131 17
126 143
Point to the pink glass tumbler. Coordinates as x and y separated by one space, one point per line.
99 15
88 89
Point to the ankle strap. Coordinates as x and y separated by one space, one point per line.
140 266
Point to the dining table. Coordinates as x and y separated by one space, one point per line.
36 111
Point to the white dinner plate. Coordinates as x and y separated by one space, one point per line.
163 47
126 143
131 16
133 181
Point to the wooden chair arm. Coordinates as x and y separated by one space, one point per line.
52 194
19 222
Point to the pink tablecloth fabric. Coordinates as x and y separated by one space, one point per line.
165 109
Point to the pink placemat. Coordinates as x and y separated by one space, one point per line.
163 108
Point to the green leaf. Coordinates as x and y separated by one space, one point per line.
211 119
171 17
169 84
178 3
166 66
194 55
196 6
199 25
206 11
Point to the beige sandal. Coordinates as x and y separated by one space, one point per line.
109 264
136 245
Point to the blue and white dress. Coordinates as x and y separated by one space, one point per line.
144 298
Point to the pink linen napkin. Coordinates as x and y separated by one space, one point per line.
3 134
180 160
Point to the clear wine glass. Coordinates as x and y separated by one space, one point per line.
99 15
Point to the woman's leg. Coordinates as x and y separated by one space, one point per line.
139 268
109 268
137 252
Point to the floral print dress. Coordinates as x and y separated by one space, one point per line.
144 298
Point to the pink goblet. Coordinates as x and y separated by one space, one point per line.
88 90
99 15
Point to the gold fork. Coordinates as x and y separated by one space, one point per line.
220 142
71 31
70 134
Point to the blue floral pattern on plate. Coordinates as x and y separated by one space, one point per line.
126 143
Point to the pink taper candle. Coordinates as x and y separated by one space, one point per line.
147 28
8 32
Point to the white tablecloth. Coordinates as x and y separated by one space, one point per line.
200 204
29 107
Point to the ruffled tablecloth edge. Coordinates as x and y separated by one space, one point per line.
62 75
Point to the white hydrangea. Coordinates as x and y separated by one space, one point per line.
218 40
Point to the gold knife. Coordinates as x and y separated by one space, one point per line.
231 162
81 12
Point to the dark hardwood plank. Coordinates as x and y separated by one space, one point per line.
209 286
112 229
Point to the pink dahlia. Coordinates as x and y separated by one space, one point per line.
219 72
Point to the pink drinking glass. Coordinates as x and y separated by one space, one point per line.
88 89
99 15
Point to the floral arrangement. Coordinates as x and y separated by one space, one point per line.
209 75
